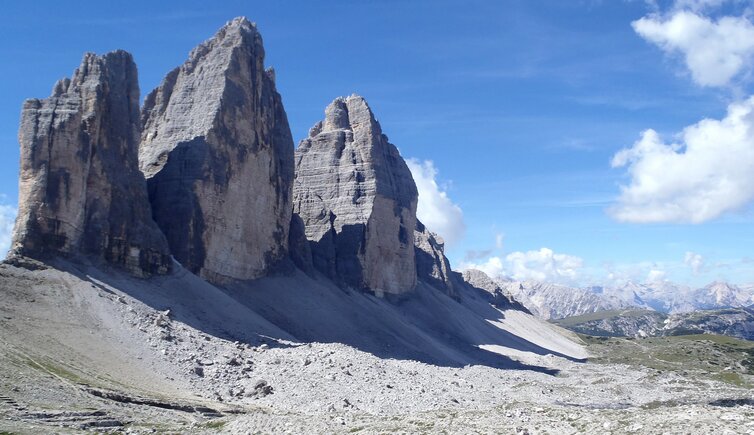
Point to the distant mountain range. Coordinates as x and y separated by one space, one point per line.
641 310
735 322
552 301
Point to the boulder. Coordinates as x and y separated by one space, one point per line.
357 199
217 153
80 188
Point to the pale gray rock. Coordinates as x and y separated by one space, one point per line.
357 199
491 290
218 156
80 188
432 266
552 301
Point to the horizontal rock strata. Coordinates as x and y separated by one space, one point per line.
80 188
218 156
357 199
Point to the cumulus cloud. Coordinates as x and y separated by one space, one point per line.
715 52
710 171
7 218
540 265
544 265
435 209
694 261
493 267
656 275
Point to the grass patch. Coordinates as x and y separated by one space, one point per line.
215 424
61 372
707 356
603 315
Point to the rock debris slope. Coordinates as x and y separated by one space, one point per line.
80 188
218 156
357 199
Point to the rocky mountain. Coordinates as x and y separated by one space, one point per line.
722 295
616 323
491 290
552 301
217 153
231 337
80 188
431 264
357 199
734 322
662 296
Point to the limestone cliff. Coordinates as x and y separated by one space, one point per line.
491 290
218 156
357 199
80 188
432 266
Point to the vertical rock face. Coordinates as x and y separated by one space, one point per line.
432 266
218 156
80 188
357 199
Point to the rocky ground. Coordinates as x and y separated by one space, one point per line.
78 354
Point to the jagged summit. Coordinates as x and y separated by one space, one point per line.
221 58
358 199
491 290
239 32
217 152
80 189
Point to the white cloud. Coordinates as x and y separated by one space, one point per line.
709 172
714 51
656 275
499 239
541 265
698 5
544 265
694 261
435 209
7 218
493 267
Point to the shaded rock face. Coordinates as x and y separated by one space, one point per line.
80 188
357 199
298 246
432 266
217 152
491 290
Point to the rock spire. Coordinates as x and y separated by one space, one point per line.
80 188
357 199
217 152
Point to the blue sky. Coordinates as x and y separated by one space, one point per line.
520 106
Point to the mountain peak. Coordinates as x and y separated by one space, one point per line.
235 34
348 113
216 142
360 213
79 171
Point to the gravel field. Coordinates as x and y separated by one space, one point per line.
81 354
